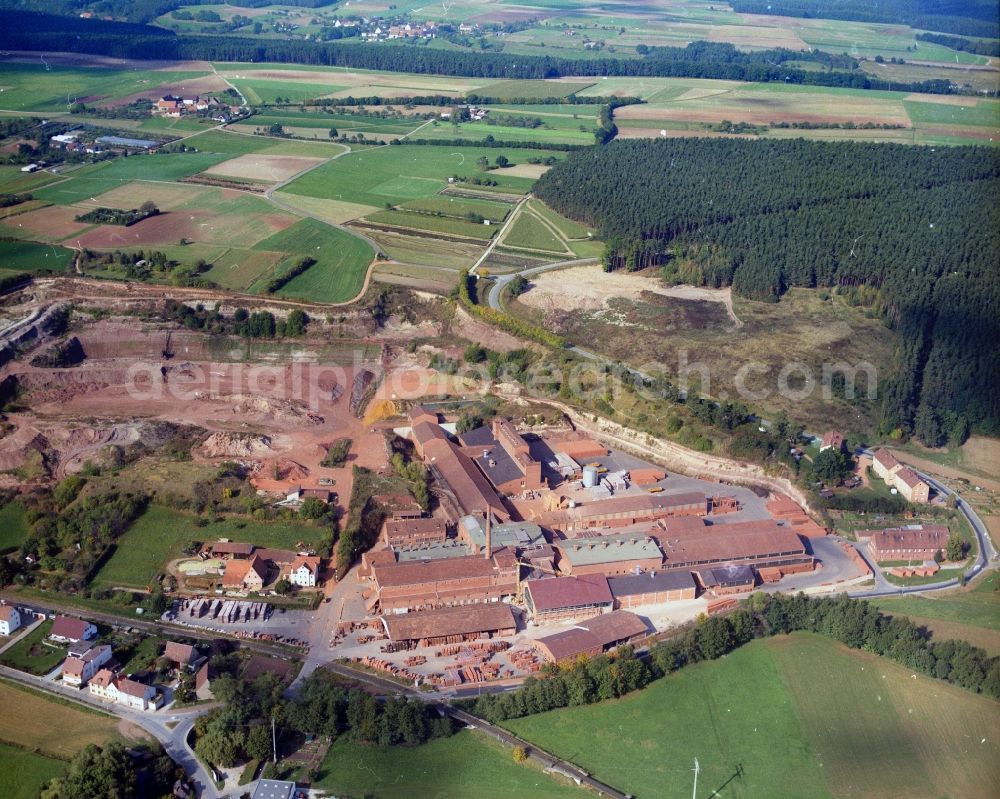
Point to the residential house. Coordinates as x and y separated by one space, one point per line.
245 575
77 671
832 439
69 630
10 619
180 655
303 571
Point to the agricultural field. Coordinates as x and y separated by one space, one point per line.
400 173
39 86
296 83
866 728
973 611
638 319
531 232
27 256
444 768
54 728
559 130
33 655
342 260
13 526
691 110
161 534
435 224
25 772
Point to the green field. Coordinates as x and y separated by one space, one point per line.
530 233
533 88
89 181
559 133
798 717
41 87
403 172
460 206
341 261
467 764
435 224
32 654
161 534
24 773
977 606
13 524
27 256
978 113
567 227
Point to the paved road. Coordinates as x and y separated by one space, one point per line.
986 556
155 722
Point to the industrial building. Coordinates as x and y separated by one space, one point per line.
592 637
915 543
473 532
756 543
652 588
504 457
413 532
627 510
732 578
562 598
463 488
445 581
608 555
450 625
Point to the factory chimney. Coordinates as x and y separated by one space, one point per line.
489 534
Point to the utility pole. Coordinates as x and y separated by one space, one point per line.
696 770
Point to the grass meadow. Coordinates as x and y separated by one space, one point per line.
13 525
445 768
161 533
530 233
435 224
399 173
32 655
25 772
342 261
848 723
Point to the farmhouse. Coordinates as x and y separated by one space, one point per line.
77 671
413 532
592 637
909 484
247 575
915 543
906 481
562 598
608 554
303 571
68 630
627 510
10 619
450 625
180 655
446 581
652 588
832 439
885 464
231 549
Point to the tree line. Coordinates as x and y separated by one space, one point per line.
979 47
32 31
919 226
854 623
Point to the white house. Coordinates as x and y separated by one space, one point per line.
303 571
10 619
135 695
78 671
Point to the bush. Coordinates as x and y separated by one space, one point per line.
336 454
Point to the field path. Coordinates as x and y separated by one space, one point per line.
503 232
